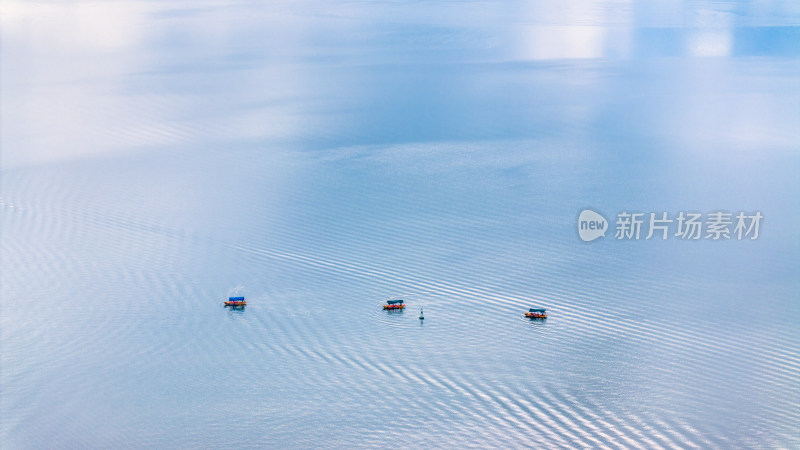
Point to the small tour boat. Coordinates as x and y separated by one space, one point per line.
236 301
536 313
394 304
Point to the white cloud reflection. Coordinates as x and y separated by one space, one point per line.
62 64
89 78
92 78
710 43
561 42
572 30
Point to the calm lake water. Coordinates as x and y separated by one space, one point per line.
319 159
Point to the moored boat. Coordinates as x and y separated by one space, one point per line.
394 304
236 301
536 313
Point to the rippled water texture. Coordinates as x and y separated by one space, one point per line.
158 157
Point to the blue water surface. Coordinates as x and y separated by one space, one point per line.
321 158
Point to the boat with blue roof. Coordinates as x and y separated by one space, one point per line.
394 304
236 302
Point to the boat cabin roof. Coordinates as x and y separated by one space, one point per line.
395 302
235 299
539 310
